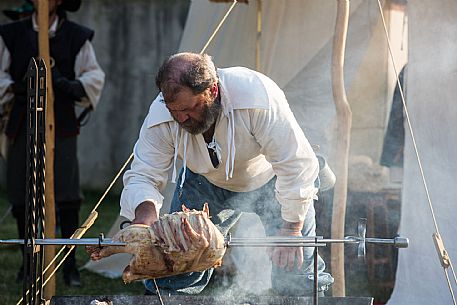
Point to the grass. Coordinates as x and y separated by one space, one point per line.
93 284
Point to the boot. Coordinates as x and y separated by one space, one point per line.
69 222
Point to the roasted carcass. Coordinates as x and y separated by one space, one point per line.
180 242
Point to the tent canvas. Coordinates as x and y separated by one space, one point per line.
431 97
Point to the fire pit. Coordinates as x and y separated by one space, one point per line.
208 300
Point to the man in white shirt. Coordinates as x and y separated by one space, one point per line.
77 77
242 151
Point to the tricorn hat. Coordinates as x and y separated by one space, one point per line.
69 5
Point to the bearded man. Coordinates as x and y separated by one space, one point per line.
242 151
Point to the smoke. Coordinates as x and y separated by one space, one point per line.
247 270
253 267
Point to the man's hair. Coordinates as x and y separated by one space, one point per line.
194 71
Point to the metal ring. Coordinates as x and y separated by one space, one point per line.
101 237
125 224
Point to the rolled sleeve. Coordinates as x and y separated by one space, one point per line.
89 73
5 77
293 161
134 194
295 210
148 175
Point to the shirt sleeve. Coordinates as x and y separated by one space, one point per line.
285 146
5 77
89 73
148 175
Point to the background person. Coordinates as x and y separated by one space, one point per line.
76 76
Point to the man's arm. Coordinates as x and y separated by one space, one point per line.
89 74
286 148
6 81
296 167
148 174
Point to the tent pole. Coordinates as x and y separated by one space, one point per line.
344 121
50 220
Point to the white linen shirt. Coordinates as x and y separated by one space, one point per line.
258 138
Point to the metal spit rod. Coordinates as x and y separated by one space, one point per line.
277 241
66 242
308 241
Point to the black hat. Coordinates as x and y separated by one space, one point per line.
26 9
69 5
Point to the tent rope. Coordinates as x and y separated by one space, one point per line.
218 26
416 151
449 285
94 214
7 212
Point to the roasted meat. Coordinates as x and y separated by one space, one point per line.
181 242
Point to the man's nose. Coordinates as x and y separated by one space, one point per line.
182 117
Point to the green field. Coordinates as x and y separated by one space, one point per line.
93 284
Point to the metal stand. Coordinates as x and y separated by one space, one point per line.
34 198
316 277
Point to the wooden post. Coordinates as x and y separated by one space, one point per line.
258 36
50 217
344 122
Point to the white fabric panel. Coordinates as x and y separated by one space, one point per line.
295 49
291 34
431 84
235 42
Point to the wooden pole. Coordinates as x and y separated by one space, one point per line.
344 122
50 217
258 36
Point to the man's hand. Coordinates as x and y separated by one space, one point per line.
19 88
288 257
145 214
72 88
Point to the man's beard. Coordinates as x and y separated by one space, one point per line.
209 117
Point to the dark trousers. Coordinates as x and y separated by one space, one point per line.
225 208
68 220
66 176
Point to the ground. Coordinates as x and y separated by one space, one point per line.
10 256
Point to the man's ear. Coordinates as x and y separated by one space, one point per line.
214 90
